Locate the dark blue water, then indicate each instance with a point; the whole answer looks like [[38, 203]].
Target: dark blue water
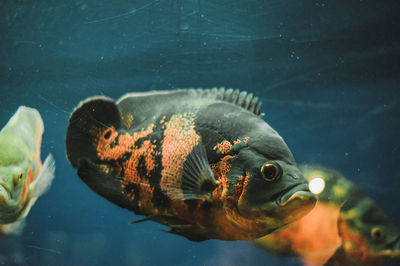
[[328, 73]]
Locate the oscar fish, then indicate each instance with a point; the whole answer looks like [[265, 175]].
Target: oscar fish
[[203, 162], [345, 228], [23, 178]]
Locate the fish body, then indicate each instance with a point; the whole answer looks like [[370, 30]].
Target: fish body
[[23, 178], [345, 228], [202, 162]]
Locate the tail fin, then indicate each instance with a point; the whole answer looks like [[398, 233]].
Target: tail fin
[[88, 123], [90, 117]]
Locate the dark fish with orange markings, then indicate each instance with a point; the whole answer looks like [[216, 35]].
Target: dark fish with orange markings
[[345, 227], [202, 162], [23, 178]]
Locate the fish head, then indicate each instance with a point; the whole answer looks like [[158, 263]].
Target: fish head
[[13, 187], [276, 193], [368, 236]]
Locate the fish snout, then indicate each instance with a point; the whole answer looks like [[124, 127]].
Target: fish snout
[[298, 191], [295, 202], [296, 176]]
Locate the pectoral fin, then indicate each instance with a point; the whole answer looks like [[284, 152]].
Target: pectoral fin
[[45, 177], [198, 180]]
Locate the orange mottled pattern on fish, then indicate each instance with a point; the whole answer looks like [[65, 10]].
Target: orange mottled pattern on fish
[[223, 147], [221, 169], [126, 142], [134, 156], [227, 147], [178, 141]]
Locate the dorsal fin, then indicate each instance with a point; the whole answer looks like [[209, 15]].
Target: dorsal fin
[[234, 96], [241, 98]]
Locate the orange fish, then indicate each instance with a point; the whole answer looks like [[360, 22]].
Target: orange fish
[[202, 162], [345, 227]]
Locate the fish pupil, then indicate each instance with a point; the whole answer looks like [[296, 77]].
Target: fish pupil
[[270, 171], [377, 234]]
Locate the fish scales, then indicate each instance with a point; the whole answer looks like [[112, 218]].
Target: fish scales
[[186, 159]]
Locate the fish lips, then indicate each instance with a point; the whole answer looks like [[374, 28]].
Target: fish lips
[[282, 208], [293, 203], [294, 193]]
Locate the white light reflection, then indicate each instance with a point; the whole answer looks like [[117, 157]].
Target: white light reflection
[[316, 185]]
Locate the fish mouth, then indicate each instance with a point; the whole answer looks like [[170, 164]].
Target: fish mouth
[[5, 193], [297, 191]]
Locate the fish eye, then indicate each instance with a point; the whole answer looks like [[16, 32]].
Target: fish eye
[[17, 178], [377, 234], [271, 171]]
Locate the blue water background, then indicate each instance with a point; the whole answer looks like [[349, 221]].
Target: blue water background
[[328, 73]]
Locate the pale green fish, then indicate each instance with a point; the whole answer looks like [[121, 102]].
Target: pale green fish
[[23, 178]]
